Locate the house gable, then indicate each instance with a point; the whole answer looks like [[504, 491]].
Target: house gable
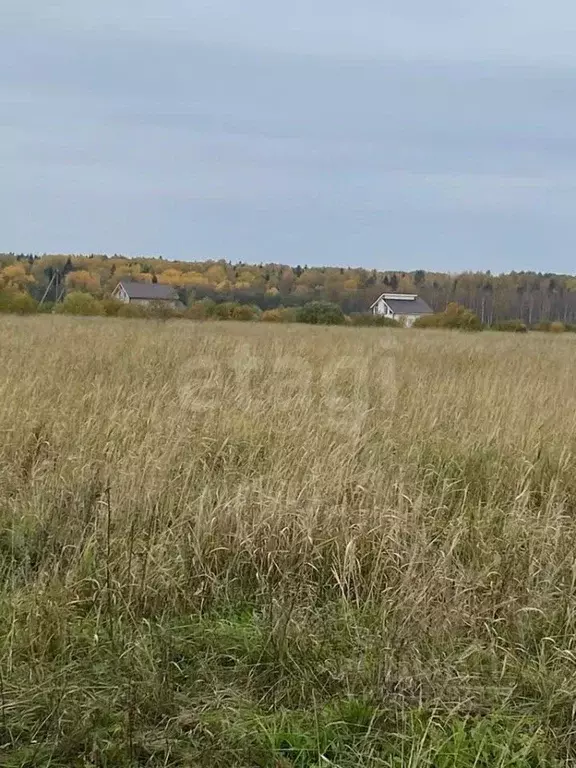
[[120, 293], [382, 308]]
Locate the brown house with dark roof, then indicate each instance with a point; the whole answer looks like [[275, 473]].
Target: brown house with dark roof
[[131, 292]]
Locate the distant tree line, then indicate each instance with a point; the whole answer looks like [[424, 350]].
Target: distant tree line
[[527, 297]]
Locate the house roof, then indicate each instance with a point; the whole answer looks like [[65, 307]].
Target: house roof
[[150, 291], [405, 304]]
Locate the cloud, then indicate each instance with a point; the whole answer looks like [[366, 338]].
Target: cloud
[[436, 135], [446, 30]]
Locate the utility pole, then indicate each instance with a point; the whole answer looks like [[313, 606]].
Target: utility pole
[[43, 299], [59, 288]]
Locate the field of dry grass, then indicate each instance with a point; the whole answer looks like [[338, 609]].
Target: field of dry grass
[[242, 545]]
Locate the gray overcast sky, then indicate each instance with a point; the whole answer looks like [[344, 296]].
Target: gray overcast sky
[[397, 134]]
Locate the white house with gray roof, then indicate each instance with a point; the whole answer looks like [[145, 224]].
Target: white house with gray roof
[[403, 307]]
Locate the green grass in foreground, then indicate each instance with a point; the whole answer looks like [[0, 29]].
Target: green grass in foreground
[[248, 690]]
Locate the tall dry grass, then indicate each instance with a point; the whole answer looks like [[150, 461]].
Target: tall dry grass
[[205, 527]]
